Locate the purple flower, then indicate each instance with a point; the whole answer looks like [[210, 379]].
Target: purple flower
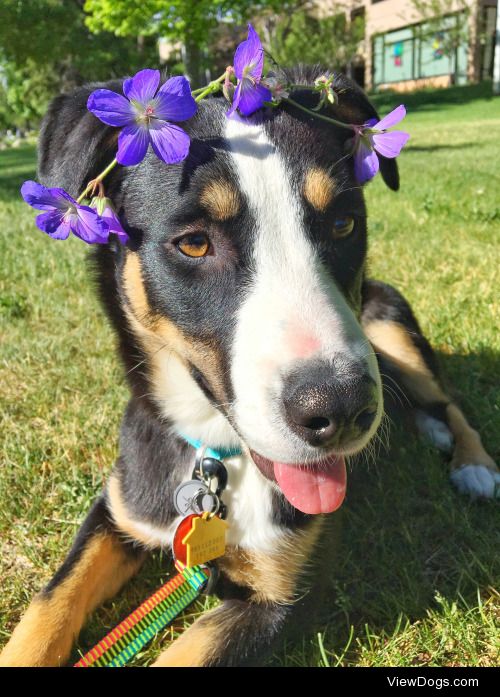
[[250, 94], [106, 211], [373, 138], [144, 115], [64, 215]]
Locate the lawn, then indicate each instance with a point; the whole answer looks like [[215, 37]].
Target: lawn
[[416, 574]]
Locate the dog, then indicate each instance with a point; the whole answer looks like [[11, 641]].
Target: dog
[[245, 319]]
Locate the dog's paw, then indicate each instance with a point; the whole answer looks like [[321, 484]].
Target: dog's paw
[[478, 481], [434, 431]]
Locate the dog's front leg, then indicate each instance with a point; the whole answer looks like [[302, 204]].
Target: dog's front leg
[[264, 594], [236, 633], [97, 566]]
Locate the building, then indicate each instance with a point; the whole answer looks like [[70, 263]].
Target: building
[[404, 50]]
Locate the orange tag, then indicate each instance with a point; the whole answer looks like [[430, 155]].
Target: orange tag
[[206, 540], [178, 547]]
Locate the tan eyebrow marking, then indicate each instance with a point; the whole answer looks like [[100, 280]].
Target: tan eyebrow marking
[[319, 188], [222, 199]]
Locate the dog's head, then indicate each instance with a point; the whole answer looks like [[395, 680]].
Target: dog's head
[[238, 298]]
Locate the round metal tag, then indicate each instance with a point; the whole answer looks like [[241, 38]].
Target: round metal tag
[[186, 495], [194, 496]]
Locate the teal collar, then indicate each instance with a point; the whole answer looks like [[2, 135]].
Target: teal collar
[[218, 453]]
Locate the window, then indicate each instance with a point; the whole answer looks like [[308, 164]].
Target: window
[[419, 52]]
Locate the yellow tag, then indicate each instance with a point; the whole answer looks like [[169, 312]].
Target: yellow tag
[[206, 540]]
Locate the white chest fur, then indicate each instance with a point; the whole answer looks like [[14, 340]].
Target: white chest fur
[[249, 502]]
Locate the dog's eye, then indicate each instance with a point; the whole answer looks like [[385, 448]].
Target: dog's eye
[[343, 226], [194, 245]]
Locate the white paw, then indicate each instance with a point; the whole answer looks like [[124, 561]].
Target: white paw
[[435, 431], [477, 481]]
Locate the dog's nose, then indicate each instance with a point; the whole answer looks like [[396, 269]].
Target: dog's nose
[[326, 407]]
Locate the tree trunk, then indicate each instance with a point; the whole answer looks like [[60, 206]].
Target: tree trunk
[[193, 63]]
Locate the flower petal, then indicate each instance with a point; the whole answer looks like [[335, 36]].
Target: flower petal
[[44, 199], [252, 97], [111, 108], [395, 116], [110, 217], [366, 162], [142, 87], [249, 55], [89, 227], [54, 224], [390, 144], [133, 144], [170, 143], [174, 101], [236, 100]]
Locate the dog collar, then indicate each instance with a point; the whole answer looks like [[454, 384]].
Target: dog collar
[[218, 453]]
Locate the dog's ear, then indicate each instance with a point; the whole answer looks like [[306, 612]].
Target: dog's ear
[[355, 107], [74, 146]]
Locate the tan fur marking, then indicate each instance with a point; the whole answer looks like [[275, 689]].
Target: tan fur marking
[[196, 646], [46, 633], [160, 337], [468, 447], [155, 332], [319, 188], [394, 340], [221, 199], [134, 289]]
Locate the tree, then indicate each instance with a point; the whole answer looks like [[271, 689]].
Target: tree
[[302, 37], [46, 48], [24, 92], [53, 32], [191, 22]]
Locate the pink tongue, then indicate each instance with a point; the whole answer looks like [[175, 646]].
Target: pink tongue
[[313, 489]]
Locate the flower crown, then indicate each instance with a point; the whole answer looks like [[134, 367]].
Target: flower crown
[[147, 116]]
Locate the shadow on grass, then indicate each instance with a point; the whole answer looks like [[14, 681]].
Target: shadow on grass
[[430, 99], [16, 166], [434, 148]]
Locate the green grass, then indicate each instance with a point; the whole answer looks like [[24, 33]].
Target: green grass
[[415, 578]]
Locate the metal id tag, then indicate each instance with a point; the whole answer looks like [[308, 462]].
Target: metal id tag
[[194, 496]]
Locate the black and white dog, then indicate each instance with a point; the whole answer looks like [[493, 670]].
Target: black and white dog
[[245, 319]]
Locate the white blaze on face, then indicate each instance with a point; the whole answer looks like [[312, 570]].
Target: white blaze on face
[[293, 310]]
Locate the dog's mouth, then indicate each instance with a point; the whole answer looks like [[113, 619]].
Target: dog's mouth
[[310, 487]]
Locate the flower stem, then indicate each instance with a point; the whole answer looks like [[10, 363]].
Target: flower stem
[[95, 182], [315, 115], [213, 86], [202, 89]]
